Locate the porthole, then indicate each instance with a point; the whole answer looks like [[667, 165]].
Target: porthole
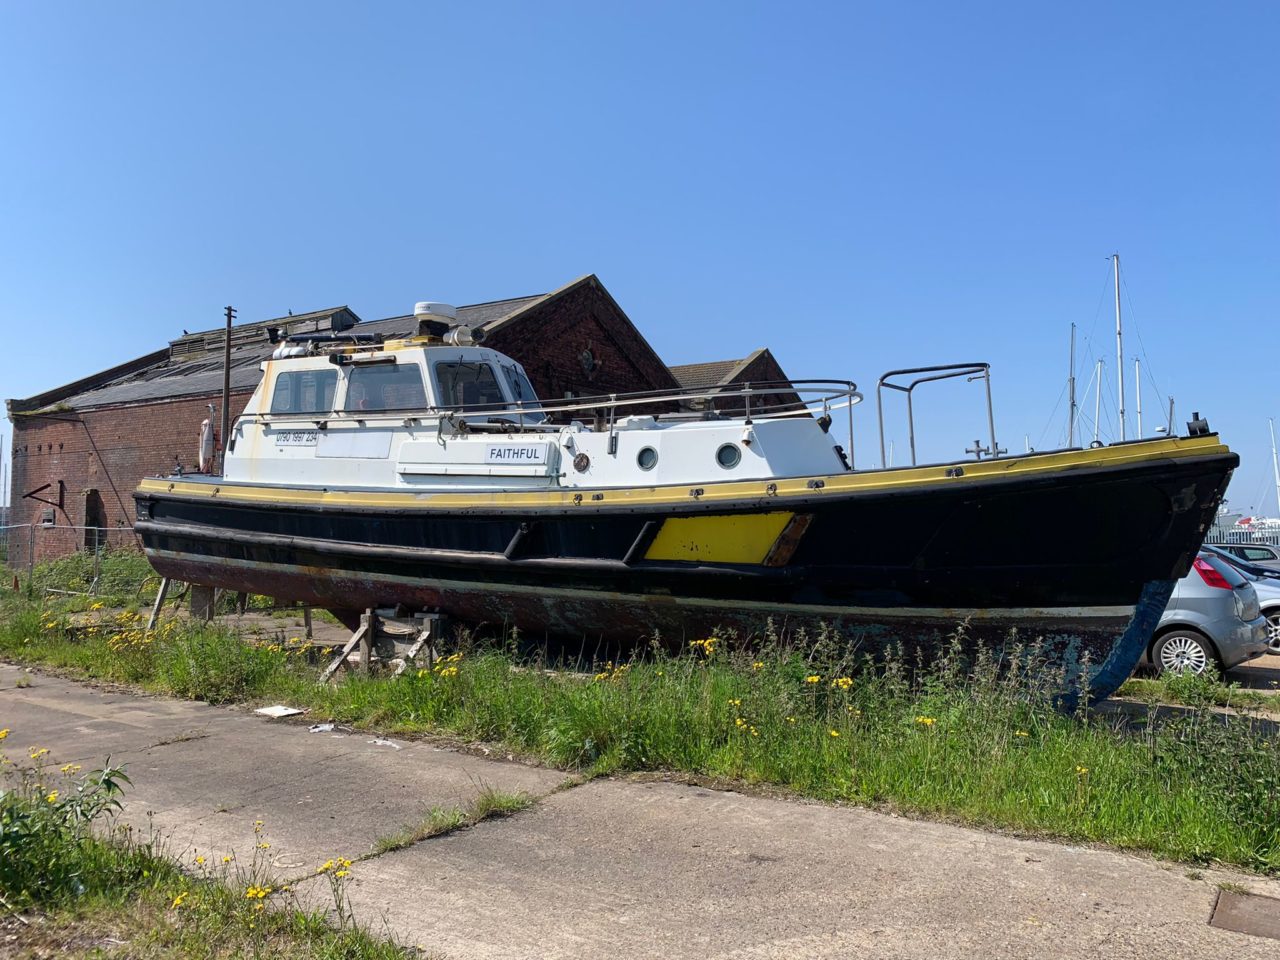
[[647, 458], [729, 456]]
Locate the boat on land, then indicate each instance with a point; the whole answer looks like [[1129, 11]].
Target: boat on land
[[426, 473]]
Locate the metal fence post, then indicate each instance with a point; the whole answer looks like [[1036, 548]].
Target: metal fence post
[[31, 560]]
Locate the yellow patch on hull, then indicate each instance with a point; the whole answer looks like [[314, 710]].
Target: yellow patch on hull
[[738, 538]]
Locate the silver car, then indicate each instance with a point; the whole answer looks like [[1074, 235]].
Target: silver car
[[1213, 621], [1263, 554], [1266, 582]]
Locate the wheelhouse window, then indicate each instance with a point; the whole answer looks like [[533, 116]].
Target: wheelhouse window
[[522, 390], [468, 385], [304, 391], [390, 386]]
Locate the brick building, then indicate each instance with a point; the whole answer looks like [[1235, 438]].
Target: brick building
[[79, 450]]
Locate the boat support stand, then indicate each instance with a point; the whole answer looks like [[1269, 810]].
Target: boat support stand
[[387, 637]]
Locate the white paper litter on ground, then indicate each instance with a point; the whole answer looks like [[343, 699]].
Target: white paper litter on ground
[[321, 728], [279, 710], [379, 742]]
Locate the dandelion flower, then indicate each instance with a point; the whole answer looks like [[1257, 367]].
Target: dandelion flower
[[735, 703], [52, 797], [36, 754], [200, 861], [758, 665], [1021, 733], [926, 721], [341, 873], [791, 719], [1081, 771], [179, 900], [4, 733], [228, 858], [833, 733], [813, 678], [264, 845], [70, 768]]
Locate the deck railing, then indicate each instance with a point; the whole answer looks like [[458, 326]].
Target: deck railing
[[769, 400]]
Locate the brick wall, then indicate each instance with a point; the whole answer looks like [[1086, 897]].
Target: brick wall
[[107, 450], [582, 343]]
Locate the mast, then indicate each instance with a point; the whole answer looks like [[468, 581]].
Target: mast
[[1071, 391], [1119, 346], [1137, 389], [1275, 464], [1097, 403]]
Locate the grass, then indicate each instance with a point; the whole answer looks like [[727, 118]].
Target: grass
[[74, 884], [964, 739], [1197, 691], [489, 804]]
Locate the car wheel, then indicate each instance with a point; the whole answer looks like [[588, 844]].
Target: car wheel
[[1273, 631], [1184, 651]]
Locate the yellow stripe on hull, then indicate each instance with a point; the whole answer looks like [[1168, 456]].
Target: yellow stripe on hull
[[740, 538], [905, 479]]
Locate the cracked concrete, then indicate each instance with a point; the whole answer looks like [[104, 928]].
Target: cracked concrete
[[616, 868]]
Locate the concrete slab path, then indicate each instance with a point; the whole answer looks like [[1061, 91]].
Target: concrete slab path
[[619, 868]]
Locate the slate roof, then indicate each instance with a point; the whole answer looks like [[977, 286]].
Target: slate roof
[[713, 374], [192, 365]]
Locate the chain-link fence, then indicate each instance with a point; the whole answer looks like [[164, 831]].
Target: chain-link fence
[[97, 561]]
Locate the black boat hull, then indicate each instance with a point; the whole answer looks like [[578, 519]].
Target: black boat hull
[[1077, 553]]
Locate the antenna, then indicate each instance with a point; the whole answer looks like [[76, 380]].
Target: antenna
[[1071, 390], [1137, 386], [1097, 404], [1119, 346], [1275, 464]]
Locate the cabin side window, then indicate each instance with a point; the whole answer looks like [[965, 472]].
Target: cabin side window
[[304, 391], [522, 390], [467, 385], [392, 386]]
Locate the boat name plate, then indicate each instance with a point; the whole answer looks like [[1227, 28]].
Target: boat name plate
[[515, 453]]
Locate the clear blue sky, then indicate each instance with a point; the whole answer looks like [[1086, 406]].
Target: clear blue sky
[[857, 186]]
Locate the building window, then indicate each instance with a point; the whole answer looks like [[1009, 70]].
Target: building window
[[467, 385], [304, 391]]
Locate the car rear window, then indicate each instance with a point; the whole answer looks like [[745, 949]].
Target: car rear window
[[1229, 573]]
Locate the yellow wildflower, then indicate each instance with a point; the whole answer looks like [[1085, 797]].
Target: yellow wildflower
[[844, 683], [179, 900], [36, 753], [791, 719], [325, 867], [52, 797], [758, 665], [341, 873], [4, 733], [926, 721], [70, 768], [200, 861], [834, 733], [264, 845], [1081, 771], [1021, 733], [228, 858], [735, 703], [813, 678]]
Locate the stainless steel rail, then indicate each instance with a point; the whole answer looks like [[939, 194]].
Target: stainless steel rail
[[970, 371]]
